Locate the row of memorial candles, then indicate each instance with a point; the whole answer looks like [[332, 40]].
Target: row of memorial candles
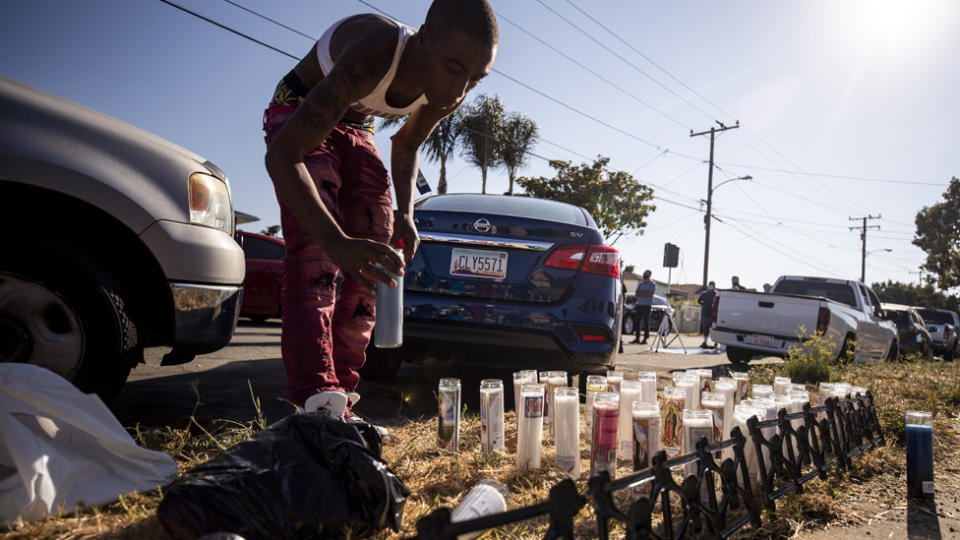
[[625, 419]]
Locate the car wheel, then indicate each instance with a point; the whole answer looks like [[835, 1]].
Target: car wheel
[[848, 351], [928, 354], [381, 364], [948, 356], [739, 356], [62, 310], [628, 324], [894, 353]]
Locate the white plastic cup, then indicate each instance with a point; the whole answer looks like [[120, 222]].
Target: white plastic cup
[[486, 498], [388, 330]]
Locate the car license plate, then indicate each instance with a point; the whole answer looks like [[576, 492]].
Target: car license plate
[[765, 341], [478, 263]]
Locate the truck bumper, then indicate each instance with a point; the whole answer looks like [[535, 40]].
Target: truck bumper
[[205, 317], [780, 345]]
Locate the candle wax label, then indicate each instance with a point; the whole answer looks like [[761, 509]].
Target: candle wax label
[[448, 420], [613, 386], [641, 449], [927, 486], [673, 422], [717, 413], [695, 435], [532, 406]]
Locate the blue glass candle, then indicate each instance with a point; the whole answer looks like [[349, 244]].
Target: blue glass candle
[[919, 455]]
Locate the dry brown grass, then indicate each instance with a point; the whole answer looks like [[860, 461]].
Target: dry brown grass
[[436, 480]]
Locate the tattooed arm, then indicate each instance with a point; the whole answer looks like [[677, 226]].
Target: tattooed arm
[[358, 69]]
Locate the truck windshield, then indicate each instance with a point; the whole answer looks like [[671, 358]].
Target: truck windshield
[[838, 292]]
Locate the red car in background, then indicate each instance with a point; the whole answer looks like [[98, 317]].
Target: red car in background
[[261, 286]]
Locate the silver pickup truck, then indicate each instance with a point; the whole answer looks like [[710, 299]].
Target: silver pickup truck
[[846, 313], [115, 240], [943, 326]]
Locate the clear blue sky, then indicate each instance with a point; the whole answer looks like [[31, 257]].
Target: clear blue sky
[[851, 88]]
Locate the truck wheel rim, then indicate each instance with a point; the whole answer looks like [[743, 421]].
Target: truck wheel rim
[[38, 327]]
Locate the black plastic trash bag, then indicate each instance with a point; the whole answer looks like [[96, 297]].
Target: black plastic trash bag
[[306, 476]]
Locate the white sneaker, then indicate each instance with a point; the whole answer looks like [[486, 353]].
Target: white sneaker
[[331, 403], [353, 397]]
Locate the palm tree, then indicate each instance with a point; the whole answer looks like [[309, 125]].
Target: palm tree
[[480, 131], [520, 134], [440, 144]]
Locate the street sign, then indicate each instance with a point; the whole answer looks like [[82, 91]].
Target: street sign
[[671, 255]]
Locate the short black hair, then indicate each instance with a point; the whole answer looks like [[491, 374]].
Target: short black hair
[[474, 17]]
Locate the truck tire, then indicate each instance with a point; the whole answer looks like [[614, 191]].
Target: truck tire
[[381, 364], [950, 354], [894, 353], [739, 356], [61, 309]]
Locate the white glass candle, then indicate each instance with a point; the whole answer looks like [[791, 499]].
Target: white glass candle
[[629, 394], [557, 379], [595, 383], [566, 402], [691, 385], [646, 438], [696, 425], [547, 401], [743, 382], [759, 391], [855, 390], [769, 408], [741, 413], [781, 386], [648, 386], [728, 389], [491, 416], [520, 378], [674, 402], [706, 378], [614, 378], [715, 403], [530, 427]]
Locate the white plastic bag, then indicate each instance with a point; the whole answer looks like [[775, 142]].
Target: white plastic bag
[[60, 447]]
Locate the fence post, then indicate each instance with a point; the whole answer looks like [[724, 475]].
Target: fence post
[[565, 503]]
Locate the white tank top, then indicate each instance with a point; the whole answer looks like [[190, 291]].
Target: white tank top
[[375, 104]]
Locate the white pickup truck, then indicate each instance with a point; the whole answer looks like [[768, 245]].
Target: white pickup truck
[[845, 312]]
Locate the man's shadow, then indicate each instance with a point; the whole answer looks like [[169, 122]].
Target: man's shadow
[[922, 521]]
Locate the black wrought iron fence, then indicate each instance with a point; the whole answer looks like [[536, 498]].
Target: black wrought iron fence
[[721, 498]]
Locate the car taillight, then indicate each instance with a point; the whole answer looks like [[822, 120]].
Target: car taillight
[[593, 337], [570, 257], [714, 308], [603, 260], [823, 320]]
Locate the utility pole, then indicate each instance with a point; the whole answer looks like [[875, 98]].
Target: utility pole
[[863, 238], [706, 219]]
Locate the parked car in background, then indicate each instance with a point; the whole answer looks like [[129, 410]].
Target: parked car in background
[[944, 326], [261, 286], [507, 281], [845, 312], [117, 240], [659, 308], [911, 329]]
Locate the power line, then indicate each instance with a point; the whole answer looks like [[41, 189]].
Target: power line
[[592, 72], [228, 29], [264, 17], [838, 176]]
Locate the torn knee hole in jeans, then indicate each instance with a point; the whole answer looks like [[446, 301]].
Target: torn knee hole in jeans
[[362, 310]]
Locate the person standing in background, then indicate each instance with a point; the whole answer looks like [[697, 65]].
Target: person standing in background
[[706, 311], [735, 284], [645, 290]]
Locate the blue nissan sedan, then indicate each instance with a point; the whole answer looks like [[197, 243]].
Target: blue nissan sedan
[[507, 282]]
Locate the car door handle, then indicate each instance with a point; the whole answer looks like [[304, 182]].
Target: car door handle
[[765, 304]]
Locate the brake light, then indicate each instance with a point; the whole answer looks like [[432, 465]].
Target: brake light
[[603, 260], [714, 308], [569, 257], [823, 320], [593, 337]]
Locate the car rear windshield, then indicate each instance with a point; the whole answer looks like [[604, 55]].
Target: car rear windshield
[[901, 318], [838, 292], [933, 316], [526, 207]]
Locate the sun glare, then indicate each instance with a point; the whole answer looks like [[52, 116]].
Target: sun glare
[[890, 26]]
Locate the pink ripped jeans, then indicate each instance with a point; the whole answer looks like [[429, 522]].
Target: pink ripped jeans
[[326, 328]]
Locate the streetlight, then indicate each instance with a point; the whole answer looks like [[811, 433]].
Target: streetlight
[[863, 267], [708, 217]]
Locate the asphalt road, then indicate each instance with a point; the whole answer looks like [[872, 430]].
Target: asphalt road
[[219, 384]]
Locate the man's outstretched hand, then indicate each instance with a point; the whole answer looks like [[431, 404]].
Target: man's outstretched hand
[[362, 259]]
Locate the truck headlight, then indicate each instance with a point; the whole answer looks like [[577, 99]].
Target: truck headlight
[[210, 202]]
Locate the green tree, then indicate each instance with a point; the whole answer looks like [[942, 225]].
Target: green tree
[[909, 294], [520, 134], [616, 200], [440, 145], [480, 131], [272, 230], [938, 234]]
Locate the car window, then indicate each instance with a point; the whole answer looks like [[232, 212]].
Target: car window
[[527, 207], [873, 299], [838, 292], [933, 316], [901, 318], [257, 248]]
